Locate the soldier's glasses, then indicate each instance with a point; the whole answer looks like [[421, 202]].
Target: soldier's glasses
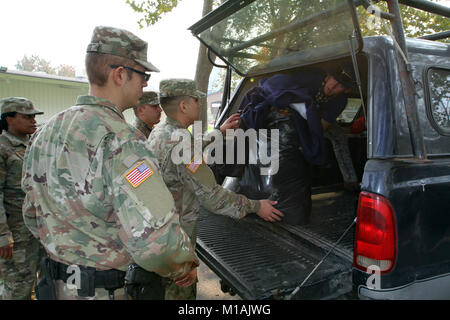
[[145, 75]]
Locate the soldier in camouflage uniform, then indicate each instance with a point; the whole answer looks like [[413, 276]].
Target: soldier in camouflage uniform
[[193, 184], [94, 193], [19, 250], [147, 112]]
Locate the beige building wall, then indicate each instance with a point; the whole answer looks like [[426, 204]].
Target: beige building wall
[[51, 94]]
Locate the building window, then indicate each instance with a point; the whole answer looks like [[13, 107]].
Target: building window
[[439, 98]]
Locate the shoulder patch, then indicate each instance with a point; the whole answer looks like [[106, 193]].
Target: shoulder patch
[[194, 164], [128, 161], [138, 174]]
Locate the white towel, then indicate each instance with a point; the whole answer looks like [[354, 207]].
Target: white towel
[[300, 108]]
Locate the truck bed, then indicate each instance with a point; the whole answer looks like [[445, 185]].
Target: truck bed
[[332, 213], [262, 260]]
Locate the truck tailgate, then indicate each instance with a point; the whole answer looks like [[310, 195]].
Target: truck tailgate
[[261, 260]]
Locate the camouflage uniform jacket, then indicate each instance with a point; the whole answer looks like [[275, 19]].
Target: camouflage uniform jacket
[[12, 150], [142, 127], [194, 189], [95, 197]]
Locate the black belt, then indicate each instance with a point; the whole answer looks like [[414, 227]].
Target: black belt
[[91, 278]]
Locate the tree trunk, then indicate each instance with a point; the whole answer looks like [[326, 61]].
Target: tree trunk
[[203, 70]]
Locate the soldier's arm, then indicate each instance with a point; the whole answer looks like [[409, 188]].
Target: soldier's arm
[[28, 208], [212, 196], [217, 199], [5, 234], [149, 224], [29, 216]]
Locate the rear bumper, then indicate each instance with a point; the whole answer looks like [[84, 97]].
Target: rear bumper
[[427, 289]]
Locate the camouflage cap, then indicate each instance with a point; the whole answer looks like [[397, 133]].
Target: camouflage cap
[[179, 87], [18, 104], [120, 43], [149, 97]]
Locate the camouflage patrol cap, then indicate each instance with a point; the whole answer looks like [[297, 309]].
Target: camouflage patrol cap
[[149, 97], [179, 87], [18, 104], [120, 43]]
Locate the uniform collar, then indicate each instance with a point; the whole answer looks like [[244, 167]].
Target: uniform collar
[[174, 123], [93, 100], [15, 141], [139, 122]]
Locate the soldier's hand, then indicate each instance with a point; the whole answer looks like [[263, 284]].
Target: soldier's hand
[[268, 212], [187, 280], [231, 123], [6, 252]]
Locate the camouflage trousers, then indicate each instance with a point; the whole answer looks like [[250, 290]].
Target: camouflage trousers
[[340, 146], [174, 292], [69, 292], [19, 273]]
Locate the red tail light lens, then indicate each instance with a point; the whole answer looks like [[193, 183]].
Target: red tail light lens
[[375, 237]]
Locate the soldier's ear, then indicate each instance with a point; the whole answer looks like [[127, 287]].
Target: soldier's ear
[[139, 109], [118, 76], [183, 106]]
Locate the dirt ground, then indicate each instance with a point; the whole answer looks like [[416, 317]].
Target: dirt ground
[[208, 287]]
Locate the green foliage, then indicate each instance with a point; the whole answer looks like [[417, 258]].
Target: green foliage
[[65, 70], [38, 64], [284, 26], [416, 22], [35, 64], [218, 82], [152, 10]]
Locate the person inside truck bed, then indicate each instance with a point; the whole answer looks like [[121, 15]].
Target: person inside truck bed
[[302, 105]]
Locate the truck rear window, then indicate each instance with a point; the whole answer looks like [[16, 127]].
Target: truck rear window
[[439, 98]]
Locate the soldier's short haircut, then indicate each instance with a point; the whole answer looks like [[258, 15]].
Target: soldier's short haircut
[[170, 104], [98, 66]]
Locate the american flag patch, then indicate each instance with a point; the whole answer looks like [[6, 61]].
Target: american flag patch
[[139, 174], [194, 164]]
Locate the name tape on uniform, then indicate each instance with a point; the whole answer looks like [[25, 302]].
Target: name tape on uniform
[[194, 164], [138, 174]]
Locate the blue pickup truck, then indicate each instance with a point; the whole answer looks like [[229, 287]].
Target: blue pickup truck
[[391, 238]]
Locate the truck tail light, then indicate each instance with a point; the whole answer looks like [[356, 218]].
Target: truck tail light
[[375, 237]]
